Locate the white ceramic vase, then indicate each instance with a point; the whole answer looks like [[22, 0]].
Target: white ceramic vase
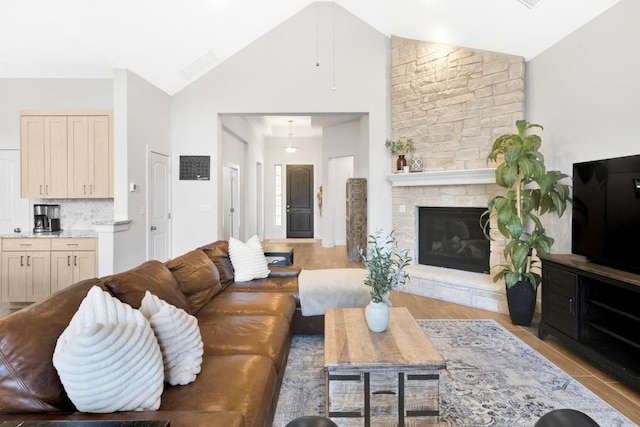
[[377, 316]]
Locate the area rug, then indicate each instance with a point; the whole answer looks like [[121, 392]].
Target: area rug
[[492, 379]]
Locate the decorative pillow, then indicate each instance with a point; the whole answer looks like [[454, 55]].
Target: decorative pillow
[[108, 358], [197, 277], [130, 286], [179, 338], [248, 259]]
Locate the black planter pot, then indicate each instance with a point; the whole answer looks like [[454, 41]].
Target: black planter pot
[[521, 299]]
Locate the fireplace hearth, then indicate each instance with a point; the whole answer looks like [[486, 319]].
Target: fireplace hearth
[[452, 237]]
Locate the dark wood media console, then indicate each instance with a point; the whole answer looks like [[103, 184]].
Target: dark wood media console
[[595, 311]]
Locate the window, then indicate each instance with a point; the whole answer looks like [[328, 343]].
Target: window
[[277, 196]]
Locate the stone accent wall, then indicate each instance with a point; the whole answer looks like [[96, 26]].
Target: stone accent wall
[[453, 102]]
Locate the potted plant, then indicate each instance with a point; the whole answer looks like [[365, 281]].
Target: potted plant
[[385, 264], [532, 191], [401, 147]]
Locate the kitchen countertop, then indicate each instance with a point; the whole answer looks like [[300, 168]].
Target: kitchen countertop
[[54, 235]]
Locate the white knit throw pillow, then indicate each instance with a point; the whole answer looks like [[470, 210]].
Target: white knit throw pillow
[[179, 338], [108, 358], [248, 259]]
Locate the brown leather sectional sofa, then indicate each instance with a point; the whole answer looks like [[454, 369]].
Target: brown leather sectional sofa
[[246, 329]]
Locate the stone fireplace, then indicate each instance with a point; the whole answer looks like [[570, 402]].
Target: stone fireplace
[[453, 102]]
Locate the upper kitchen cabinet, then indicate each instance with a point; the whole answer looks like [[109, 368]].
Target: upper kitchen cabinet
[[90, 157], [43, 153], [67, 154]]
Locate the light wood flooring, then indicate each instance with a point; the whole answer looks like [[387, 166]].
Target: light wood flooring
[[624, 399]]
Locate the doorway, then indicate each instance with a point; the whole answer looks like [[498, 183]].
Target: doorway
[[230, 200], [14, 211], [159, 240], [334, 228], [300, 197]]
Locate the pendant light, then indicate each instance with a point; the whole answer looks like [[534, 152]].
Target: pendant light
[[290, 148]]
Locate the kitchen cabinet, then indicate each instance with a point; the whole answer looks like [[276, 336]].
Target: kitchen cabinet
[[66, 154], [89, 157], [43, 153], [72, 260], [26, 270]]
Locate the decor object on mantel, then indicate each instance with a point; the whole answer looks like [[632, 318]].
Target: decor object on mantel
[[385, 265], [416, 164], [531, 192], [400, 147]]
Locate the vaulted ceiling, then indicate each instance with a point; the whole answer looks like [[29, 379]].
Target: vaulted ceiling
[[171, 42]]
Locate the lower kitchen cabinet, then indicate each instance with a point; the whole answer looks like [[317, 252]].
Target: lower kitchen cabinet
[[72, 260], [26, 270], [34, 268]]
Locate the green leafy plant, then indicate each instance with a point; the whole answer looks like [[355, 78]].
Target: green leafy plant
[[532, 191], [385, 264], [400, 146]]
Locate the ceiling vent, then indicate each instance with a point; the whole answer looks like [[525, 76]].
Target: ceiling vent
[[201, 65], [530, 4]]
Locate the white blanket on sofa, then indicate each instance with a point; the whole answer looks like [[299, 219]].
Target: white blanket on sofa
[[332, 288]]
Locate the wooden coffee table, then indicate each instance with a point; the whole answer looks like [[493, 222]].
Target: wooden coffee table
[[385, 376]]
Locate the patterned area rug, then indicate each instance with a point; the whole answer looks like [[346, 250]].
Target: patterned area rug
[[492, 379]]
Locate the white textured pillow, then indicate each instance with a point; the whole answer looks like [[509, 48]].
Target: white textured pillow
[[108, 358], [179, 338], [248, 259]]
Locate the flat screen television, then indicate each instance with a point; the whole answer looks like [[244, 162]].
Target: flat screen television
[[606, 211]]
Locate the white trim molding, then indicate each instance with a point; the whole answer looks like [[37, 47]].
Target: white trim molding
[[446, 177]]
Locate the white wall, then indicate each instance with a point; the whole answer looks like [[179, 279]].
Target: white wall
[[309, 152], [585, 91], [142, 123], [277, 74], [47, 94]]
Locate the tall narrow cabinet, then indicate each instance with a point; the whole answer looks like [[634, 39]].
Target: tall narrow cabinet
[[356, 217]]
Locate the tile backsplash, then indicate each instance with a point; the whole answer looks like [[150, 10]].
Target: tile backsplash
[[79, 214]]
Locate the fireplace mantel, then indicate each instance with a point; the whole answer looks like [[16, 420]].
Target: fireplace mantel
[[446, 177]]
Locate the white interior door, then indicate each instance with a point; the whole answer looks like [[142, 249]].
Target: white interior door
[[259, 202], [159, 239], [339, 170], [14, 211], [230, 201]]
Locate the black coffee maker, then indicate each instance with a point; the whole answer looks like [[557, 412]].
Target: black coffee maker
[[40, 218], [46, 218]]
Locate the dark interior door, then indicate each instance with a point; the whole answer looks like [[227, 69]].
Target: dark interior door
[[300, 201]]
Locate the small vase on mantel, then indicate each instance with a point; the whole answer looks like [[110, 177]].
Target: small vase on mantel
[[401, 163], [377, 316]]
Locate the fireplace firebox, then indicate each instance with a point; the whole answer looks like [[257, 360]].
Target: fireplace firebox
[[453, 237]]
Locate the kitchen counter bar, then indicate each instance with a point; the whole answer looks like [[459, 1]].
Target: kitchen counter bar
[[51, 235]]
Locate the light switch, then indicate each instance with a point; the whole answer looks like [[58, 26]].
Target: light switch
[[402, 208]]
